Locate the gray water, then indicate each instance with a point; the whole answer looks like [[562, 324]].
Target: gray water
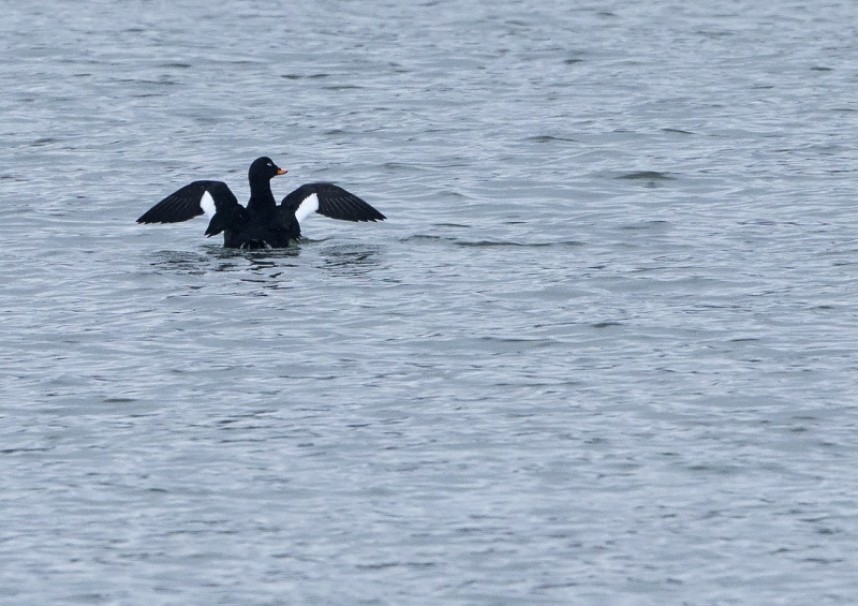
[[602, 352]]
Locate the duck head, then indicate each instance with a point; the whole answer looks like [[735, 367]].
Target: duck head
[[263, 169]]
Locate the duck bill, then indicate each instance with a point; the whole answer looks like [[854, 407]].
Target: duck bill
[[280, 171]]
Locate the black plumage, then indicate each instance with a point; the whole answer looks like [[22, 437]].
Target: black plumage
[[262, 223]]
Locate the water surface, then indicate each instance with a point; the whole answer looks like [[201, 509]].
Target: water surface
[[602, 352]]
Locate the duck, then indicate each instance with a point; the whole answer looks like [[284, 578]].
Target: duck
[[262, 224]]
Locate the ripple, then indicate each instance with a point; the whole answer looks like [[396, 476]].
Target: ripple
[[646, 175], [549, 139]]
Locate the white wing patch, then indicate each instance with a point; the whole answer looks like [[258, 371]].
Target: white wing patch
[[208, 205], [307, 207]]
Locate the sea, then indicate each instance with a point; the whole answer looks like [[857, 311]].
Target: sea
[[602, 352]]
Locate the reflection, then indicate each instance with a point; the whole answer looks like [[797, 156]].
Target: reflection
[[270, 266], [219, 259], [260, 259]]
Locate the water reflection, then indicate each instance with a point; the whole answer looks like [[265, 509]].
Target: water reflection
[[272, 268], [219, 259]]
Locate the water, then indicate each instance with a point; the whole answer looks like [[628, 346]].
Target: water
[[602, 352]]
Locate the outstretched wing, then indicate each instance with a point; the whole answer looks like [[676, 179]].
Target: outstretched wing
[[193, 200], [329, 200]]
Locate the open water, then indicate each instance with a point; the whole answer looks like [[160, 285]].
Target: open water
[[604, 350]]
